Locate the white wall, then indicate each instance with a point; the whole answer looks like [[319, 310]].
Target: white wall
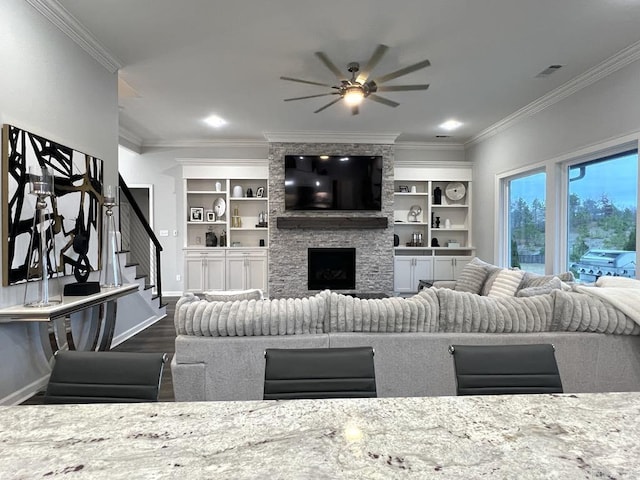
[[51, 87], [605, 110]]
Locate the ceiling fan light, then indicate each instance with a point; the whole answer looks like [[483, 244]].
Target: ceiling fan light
[[353, 96]]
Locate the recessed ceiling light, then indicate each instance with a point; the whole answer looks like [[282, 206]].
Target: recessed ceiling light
[[215, 121], [450, 125]]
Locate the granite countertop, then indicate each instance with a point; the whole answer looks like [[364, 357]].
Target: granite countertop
[[514, 437]]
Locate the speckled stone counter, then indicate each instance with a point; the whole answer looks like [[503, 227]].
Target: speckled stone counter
[[514, 437]]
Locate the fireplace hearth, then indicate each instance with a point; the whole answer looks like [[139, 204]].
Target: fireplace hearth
[[333, 268]]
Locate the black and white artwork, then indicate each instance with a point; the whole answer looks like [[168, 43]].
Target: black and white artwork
[[73, 212]]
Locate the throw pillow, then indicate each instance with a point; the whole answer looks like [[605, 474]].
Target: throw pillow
[[554, 284], [536, 280], [471, 278], [506, 283], [232, 295]]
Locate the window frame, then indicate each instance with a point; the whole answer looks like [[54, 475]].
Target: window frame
[[556, 200], [503, 245], [562, 189]]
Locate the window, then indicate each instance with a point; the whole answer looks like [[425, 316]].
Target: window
[[525, 235], [602, 205]]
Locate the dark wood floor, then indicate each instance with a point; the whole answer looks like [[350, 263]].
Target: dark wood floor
[[159, 337]]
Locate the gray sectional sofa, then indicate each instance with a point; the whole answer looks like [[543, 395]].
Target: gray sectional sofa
[[220, 343]]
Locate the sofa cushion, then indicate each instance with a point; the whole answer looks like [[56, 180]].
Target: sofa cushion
[[231, 295], [506, 283], [554, 284]]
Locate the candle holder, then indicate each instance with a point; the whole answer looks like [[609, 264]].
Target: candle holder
[[111, 274], [42, 255]]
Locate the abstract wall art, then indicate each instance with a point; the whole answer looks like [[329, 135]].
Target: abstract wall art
[[74, 211]]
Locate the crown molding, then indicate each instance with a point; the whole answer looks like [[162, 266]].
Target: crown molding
[[430, 146], [431, 163], [222, 143], [245, 162], [129, 136], [388, 138], [56, 14], [614, 63]]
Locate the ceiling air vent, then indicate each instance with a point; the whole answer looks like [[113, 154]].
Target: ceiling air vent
[[443, 136], [548, 71]]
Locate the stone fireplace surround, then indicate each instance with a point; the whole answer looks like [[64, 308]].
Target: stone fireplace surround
[[288, 246]]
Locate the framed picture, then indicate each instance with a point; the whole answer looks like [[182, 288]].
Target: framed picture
[[403, 188], [196, 214], [210, 216], [260, 192], [73, 211]]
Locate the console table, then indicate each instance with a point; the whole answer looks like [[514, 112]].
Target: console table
[[520, 436], [55, 320]]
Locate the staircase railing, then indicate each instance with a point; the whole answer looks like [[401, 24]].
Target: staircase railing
[[139, 240]]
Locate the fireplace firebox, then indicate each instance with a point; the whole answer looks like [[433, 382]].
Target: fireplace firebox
[[333, 268]]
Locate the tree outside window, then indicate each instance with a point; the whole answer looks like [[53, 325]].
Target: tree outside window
[[526, 222]]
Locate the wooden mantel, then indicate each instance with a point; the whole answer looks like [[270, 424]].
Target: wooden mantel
[[332, 223]]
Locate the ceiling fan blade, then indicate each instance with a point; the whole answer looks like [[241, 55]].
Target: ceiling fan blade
[[311, 96], [328, 105], [373, 61], [306, 81], [330, 65], [384, 101], [402, 88], [355, 110], [402, 71]]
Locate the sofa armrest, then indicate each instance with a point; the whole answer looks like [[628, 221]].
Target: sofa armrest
[[450, 284]]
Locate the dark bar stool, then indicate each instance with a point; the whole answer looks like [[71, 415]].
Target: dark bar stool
[[505, 369], [105, 377], [319, 373]]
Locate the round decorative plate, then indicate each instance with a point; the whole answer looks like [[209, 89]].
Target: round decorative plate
[[455, 191], [219, 206]]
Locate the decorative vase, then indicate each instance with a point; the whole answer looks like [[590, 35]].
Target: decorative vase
[[211, 239], [238, 192], [437, 196]]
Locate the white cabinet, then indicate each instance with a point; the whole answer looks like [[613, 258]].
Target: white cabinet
[[449, 267], [409, 270], [204, 270], [246, 269]]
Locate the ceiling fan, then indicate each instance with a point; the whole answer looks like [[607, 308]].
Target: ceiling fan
[[355, 89]]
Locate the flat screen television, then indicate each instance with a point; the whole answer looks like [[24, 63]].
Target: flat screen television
[[333, 182]]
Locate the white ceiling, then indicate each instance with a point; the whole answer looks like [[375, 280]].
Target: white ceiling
[[188, 59]]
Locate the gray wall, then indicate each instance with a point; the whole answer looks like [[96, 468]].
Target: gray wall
[[288, 248], [602, 111], [49, 86]]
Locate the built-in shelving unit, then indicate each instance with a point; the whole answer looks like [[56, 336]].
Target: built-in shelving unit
[[432, 232], [237, 258]]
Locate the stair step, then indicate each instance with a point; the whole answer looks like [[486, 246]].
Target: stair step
[[138, 277], [131, 264], [148, 286]]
